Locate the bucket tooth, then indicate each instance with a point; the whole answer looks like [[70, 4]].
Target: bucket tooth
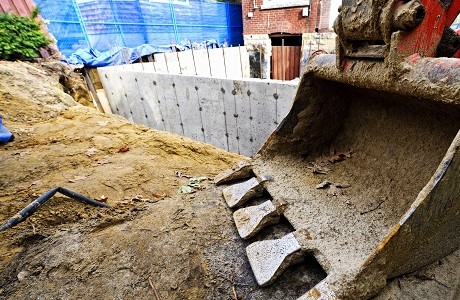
[[250, 220], [268, 259], [238, 194], [241, 170]]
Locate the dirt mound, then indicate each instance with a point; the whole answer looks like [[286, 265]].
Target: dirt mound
[[185, 244], [152, 239]]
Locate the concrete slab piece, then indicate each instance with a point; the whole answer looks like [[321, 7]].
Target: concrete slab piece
[[168, 104], [242, 96], [187, 64], [232, 62], [285, 93], [189, 107], [250, 220], [231, 131], [263, 111], [217, 63], [268, 259], [202, 62], [238, 194], [147, 83], [212, 111], [117, 94], [172, 62], [133, 97]]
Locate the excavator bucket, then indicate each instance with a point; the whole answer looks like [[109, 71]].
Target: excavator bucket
[[366, 165]]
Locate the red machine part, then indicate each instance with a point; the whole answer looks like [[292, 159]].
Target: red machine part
[[425, 39]]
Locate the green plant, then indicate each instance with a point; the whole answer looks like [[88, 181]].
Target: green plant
[[20, 37]]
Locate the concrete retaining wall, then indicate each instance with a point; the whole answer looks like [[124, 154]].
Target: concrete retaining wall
[[235, 115]]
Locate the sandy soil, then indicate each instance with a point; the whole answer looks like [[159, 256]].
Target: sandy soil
[[186, 244], [152, 239]]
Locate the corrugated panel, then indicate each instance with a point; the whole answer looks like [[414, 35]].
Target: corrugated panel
[[285, 62]]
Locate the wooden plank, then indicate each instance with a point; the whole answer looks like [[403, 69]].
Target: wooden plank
[[102, 95]]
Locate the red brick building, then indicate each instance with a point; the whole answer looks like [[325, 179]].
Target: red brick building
[[268, 24]]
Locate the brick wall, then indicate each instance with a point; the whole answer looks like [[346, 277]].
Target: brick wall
[[286, 20]]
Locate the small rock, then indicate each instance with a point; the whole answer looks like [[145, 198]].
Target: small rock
[[23, 275]]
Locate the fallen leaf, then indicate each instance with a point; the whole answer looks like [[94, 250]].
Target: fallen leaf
[[103, 198], [102, 123], [123, 149], [332, 191], [337, 157], [79, 177], [137, 199], [180, 175], [342, 185], [103, 161], [22, 153], [318, 169], [159, 196], [185, 189], [323, 184], [91, 151]]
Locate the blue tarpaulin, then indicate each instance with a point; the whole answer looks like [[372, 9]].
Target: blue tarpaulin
[[5, 134], [89, 57], [107, 24]]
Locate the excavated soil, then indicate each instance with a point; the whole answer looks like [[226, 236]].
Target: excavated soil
[[153, 243], [185, 245]]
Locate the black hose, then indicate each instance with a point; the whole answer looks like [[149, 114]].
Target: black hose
[[33, 206]]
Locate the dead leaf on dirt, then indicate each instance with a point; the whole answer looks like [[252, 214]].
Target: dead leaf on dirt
[[22, 153], [180, 175], [36, 182], [103, 198], [159, 196], [342, 185], [323, 185], [123, 149], [340, 156], [332, 191], [102, 123], [137, 199], [318, 169], [79, 177], [91, 151], [185, 189], [101, 162]]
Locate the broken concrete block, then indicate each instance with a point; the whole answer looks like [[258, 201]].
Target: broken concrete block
[[268, 259], [251, 220]]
